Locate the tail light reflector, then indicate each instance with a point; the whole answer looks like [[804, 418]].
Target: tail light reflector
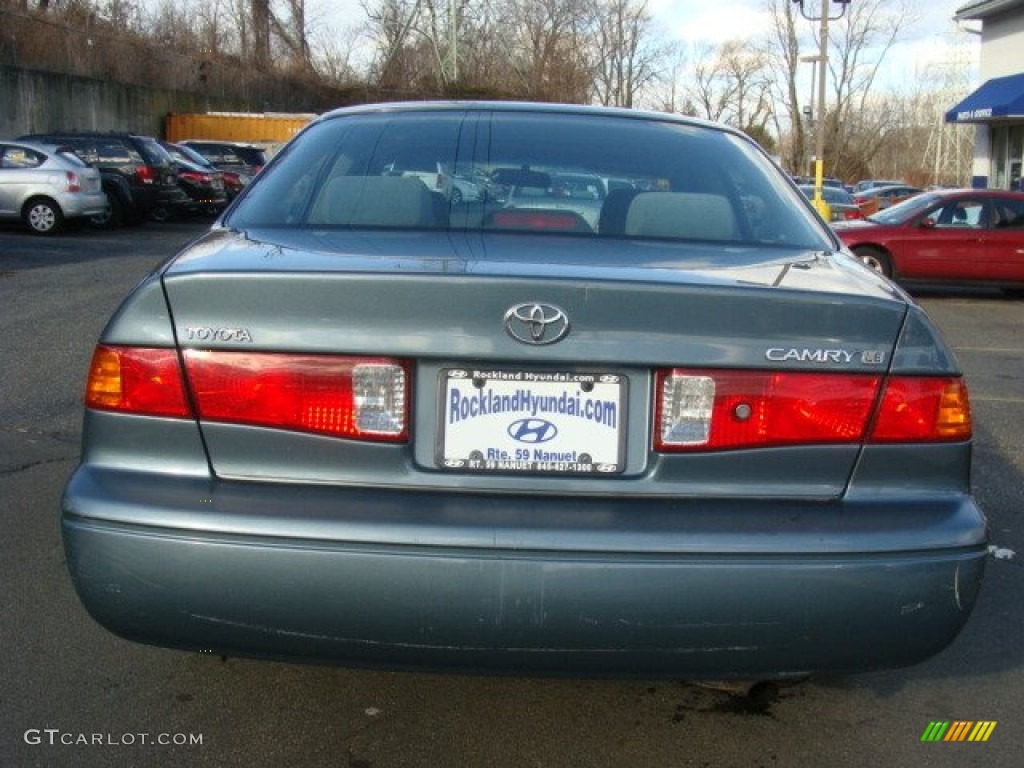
[[143, 381], [354, 397]]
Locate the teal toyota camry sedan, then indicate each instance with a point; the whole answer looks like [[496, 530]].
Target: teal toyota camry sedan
[[684, 434]]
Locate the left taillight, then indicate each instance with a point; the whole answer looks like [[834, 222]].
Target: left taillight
[[137, 380], [364, 398], [74, 185]]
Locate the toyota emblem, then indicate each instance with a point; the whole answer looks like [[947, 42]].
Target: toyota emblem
[[536, 323]]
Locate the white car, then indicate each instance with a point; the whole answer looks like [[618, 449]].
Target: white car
[[45, 185]]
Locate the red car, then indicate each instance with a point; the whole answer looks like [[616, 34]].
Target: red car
[[962, 236]]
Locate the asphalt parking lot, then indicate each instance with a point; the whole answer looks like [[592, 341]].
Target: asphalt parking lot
[[72, 694]]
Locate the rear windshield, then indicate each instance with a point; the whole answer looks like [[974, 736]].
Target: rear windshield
[[152, 151], [540, 173], [226, 154], [67, 154]]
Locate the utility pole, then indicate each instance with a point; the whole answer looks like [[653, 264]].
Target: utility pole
[[819, 136]]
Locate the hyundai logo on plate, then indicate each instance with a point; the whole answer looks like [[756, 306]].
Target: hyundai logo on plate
[[532, 430], [536, 323]]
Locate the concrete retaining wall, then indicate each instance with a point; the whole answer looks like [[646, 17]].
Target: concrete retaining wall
[[33, 101]]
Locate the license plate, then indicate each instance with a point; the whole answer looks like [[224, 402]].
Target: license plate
[[557, 422]]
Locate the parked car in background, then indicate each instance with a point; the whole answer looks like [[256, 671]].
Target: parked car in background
[[840, 202], [827, 181], [562, 190], [958, 236], [46, 186], [880, 198], [137, 174], [700, 441], [865, 184], [434, 175], [200, 180], [466, 190], [241, 160]]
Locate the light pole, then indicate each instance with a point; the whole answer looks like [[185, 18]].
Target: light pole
[[819, 143], [809, 111]]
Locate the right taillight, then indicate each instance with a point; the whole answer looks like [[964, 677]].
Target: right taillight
[[713, 410], [923, 409], [709, 410]]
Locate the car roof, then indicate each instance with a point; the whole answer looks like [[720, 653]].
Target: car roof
[[527, 107], [971, 192], [47, 147], [879, 190], [94, 134], [219, 142]]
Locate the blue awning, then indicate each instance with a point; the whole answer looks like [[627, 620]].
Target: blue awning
[[998, 98]]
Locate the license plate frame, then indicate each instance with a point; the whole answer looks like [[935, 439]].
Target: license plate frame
[[531, 421]]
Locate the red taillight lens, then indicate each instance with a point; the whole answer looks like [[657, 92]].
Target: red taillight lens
[[715, 410], [923, 409], [195, 177], [142, 381], [146, 174], [703, 410], [73, 184], [355, 397]]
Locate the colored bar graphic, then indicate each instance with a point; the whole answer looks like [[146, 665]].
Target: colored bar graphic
[[959, 730], [982, 730]]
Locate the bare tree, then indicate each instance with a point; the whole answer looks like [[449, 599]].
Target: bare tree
[[334, 53], [627, 56], [261, 33], [673, 95], [858, 49], [550, 48], [781, 49], [732, 85]]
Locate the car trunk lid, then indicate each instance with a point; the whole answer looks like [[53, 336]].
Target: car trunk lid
[[439, 304]]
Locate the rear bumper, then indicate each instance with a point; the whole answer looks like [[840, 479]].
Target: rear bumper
[[664, 602], [83, 204]]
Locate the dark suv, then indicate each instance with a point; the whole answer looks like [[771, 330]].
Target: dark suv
[[138, 175]]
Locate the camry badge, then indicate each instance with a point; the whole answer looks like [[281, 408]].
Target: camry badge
[[536, 323]]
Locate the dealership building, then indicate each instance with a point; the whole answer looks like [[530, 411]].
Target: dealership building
[[996, 108]]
